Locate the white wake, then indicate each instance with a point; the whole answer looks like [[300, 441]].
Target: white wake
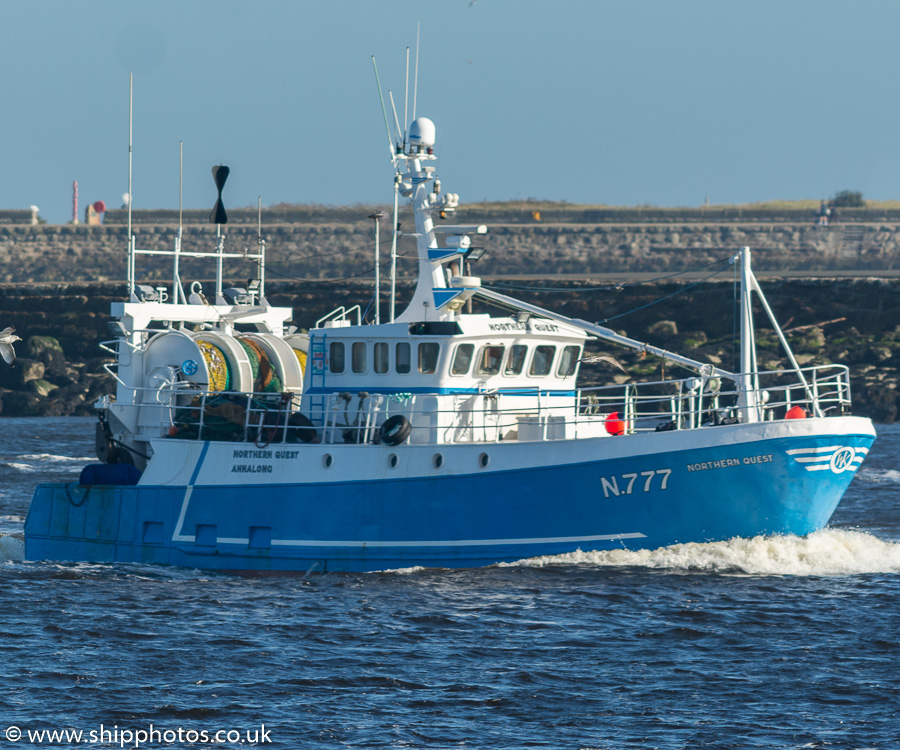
[[830, 552]]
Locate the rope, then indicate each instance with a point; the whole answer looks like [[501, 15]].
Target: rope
[[72, 500], [216, 365], [129, 448]]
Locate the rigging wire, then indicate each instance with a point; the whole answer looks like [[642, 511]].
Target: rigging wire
[[623, 285], [333, 281], [663, 299], [270, 270]]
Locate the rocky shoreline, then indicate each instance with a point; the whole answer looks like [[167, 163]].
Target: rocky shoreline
[[853, 322]]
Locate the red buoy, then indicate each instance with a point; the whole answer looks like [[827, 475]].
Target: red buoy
[[614, 425], [100, 207], [796, 412]]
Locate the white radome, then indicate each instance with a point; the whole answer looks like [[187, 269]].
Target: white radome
[[422, 132]]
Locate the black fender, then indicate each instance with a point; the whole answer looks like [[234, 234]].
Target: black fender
[[395, 430]]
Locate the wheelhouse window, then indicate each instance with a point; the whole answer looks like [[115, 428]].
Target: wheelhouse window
[[382, 354], [358, 356], [515, 360], [490, 360], [542, 360], [568, 361], [428, 356], [336, 357], [402, 357], [462, 359]]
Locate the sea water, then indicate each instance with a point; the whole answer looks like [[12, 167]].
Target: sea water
[[781, 642]]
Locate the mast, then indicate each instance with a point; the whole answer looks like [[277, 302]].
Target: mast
[[748, 401], [177, 290], [261, 251], [131, 269], [394, 249]]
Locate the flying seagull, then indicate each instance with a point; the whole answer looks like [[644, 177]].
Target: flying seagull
[[598, 358], [7, 337]]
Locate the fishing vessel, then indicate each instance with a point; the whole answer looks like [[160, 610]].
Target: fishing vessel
[[434, 436]]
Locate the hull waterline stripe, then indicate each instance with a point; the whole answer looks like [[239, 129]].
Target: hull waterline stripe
[[455, 542]]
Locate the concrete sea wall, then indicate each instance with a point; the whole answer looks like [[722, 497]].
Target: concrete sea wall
[[326, 245]]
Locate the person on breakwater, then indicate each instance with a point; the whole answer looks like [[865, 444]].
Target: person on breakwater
[[824, 213]]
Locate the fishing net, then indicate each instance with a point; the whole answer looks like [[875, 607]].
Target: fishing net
[[265, 379]]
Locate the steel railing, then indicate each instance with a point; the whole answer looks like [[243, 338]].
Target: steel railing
[[262, 418]]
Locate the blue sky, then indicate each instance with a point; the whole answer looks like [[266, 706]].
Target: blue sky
[[624, 103]]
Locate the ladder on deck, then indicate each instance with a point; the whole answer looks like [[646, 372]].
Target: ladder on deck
[[317, 363]]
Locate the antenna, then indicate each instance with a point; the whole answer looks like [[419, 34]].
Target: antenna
[[131, 270], [406, 103], [261, 251], [383, 110], [180, 182], [177, 290], [130, 134], [416, 80], [396, 121]]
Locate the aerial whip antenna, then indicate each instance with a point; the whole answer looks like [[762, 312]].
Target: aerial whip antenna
[[180, 183], [416, 80], [261, 251], [130, 134], [177, 290], [396, 121], [383, 110], [131, 244], [406, 102]]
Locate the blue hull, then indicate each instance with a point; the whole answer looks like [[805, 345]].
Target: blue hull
[[644, 501]]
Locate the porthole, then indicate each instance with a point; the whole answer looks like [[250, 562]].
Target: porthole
[[393, 460], [327, 460], [483, 460], [437, 460]]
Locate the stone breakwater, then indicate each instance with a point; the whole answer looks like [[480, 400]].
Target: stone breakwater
[[851, 322], [324, 249]]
